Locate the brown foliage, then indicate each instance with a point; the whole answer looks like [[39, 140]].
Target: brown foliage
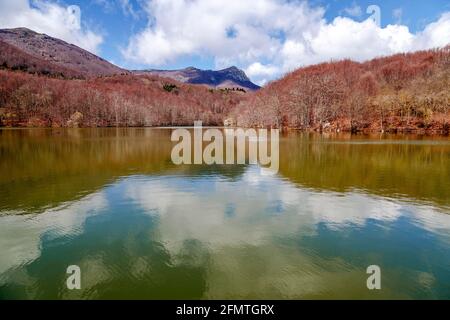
[[16, 59], [401, 92], [126, 100]]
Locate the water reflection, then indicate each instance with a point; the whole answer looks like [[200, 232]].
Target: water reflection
[[44, 168], [141, 228], [174, 237]]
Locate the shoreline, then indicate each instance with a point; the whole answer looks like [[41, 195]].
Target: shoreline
[[406, 132]]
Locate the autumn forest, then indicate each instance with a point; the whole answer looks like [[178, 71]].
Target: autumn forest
[[400, 93]]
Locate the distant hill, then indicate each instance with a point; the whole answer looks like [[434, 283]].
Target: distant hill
[[227, 78], [26, 50]]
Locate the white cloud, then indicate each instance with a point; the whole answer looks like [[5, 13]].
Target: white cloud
[[354, 10], [54, 19], [180, 27], [436, 34], [261, 72], [270, 37], [346, 38], [360, 41]]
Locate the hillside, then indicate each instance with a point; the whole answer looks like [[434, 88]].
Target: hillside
[[227, 78], [27, 50], [400, 93], [28, 100]]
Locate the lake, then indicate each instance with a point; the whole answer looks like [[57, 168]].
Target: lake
[[112, 202]]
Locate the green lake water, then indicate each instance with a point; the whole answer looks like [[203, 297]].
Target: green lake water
[[111, 202]]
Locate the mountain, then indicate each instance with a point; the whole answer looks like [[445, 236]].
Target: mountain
[[26, 50], [227, 78]]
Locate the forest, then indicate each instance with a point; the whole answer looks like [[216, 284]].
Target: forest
[[123, 100], [400, 93]]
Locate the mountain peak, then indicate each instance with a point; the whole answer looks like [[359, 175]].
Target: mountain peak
[[233, 68], [19, 29], [37, 52], [191, 69], [231, 77]]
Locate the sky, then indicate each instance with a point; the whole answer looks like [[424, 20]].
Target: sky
[[265, 38]]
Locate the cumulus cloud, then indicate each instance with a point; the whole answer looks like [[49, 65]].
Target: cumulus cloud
[[261, 72], [436, 34], [360, 41], [269, 37], [346, 38], [54, 19], [180, 27]]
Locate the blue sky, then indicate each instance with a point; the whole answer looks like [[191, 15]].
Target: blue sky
[[118, 25], [266, 38]]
